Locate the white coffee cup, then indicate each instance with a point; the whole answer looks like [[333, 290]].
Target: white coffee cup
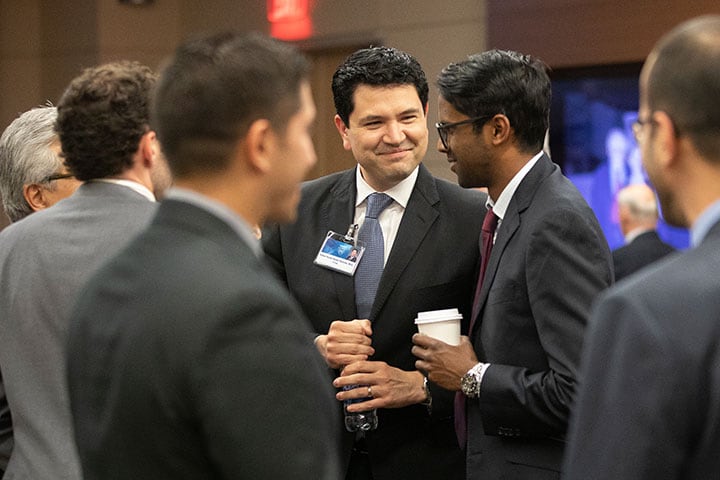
[[441, 324]]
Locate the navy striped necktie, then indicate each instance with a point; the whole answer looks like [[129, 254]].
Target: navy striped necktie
[[367, 276]]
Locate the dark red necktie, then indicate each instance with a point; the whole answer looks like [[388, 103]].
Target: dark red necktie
[[488, 232]]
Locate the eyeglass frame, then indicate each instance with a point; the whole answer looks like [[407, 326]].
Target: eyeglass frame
[[637, 127], [443, 127], [57, 176]]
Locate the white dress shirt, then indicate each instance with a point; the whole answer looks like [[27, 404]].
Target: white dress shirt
[[391, 217]]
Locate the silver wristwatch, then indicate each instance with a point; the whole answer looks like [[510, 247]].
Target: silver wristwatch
[[470, 385]]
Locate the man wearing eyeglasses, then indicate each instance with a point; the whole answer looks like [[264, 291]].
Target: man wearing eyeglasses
[[45, 259], [32, 178], [516, 373], [649, 407], [430, 230], [32, 174]]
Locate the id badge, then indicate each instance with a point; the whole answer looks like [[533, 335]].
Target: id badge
[[341, 253]]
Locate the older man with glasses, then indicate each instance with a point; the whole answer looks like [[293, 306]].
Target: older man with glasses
[[30, 170], [30, 165]]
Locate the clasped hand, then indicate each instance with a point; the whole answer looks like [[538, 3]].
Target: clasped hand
[[348, 345]]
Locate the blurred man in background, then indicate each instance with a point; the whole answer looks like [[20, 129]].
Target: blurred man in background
[[638, 217], [32, 174], [649, 404]]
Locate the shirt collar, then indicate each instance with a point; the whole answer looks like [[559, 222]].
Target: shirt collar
[[501, 205], [141, 189], [636, 232], [400, 192], [235, 221], [709, 217]]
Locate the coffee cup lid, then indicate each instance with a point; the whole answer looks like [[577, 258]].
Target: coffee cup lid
[[438, 315]]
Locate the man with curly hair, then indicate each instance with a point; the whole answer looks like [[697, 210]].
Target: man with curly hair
[[45, 259]]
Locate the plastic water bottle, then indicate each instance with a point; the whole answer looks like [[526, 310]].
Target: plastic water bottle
[[359, 421]]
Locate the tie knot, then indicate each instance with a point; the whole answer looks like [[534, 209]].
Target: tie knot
[[490, 222], [376, 203]]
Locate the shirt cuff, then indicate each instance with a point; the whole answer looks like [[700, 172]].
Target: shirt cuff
[[478, 371]]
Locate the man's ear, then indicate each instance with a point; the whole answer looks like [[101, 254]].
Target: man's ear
[[149, 148], [35, 196], [666, 141], [501, 129], [259, 144], [343, 131]]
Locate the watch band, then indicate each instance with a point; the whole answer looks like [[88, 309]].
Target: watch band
[[471, 381], [428, 396]]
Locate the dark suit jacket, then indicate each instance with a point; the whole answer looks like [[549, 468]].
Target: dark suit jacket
[[431, 266], [6, 433], [189, 360], [643, 250], [649, 407], [549, 261]]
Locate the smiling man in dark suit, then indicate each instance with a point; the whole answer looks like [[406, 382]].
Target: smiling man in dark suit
[[430, 231], [518, 369], [638, 215], [649, 404], [187, 358]]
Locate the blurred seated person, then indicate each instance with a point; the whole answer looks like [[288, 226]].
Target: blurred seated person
[[638, 217]]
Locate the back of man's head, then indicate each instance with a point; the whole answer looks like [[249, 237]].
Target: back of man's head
[[684, 82], [379, 67], [213, 88], [637, 207], [26, 158], [102, 116], [505, 82]]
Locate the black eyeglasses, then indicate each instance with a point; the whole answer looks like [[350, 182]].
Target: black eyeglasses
[[443, 129], [57, 176]]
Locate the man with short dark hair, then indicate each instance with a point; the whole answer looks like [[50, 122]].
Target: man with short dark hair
[[544, 261], [649, 404], [187, 358], [103, 125], [429, 252]]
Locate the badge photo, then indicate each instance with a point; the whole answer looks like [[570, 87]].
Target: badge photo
[[341, 253]]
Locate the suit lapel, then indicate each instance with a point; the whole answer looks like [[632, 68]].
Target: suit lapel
[[419, 216], [338, 213], [520, 201]]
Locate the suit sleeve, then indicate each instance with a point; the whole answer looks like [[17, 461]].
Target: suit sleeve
[[267, 406], [567, 264], [6, 432], [272, 245], [636, 403]]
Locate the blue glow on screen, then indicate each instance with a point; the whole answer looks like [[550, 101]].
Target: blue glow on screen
[[591, 139]]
